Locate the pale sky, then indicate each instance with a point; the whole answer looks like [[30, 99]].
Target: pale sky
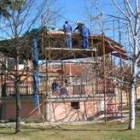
[[73, 10]]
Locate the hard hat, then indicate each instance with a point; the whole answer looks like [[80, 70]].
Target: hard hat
[[77, 22]]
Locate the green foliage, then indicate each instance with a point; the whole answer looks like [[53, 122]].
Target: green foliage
[[4, 8], [35, 31], [6, 46], [33, 121], [124, 108], [7, 5], [17, 4]]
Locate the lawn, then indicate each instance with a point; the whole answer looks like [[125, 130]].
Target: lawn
[[92, 131]]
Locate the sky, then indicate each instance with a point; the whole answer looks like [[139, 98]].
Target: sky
[[75, 10], [71, 10]]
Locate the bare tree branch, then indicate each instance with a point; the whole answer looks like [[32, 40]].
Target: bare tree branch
[[130, 10], [121, 10]]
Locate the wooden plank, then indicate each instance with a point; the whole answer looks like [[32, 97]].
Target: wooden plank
[[73, 49]]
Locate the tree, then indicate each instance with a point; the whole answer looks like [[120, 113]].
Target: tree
[[128, 13], [4, 4], [24, 15]]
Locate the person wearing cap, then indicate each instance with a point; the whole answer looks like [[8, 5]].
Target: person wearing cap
[[67, 28], [85, 37], [79, 27]]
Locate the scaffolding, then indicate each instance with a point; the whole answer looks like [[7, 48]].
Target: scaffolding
[[83, 74], [85, 77]]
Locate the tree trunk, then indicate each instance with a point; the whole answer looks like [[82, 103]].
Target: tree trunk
[[18, 108], [18, 101], [132, 106], [132, 92]]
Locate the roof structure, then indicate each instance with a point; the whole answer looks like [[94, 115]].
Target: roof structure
[[52, 45]]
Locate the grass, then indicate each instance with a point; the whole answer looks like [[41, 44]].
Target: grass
[[127, 107], [100, 131]]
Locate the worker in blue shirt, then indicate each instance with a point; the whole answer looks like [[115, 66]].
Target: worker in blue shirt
[[85, 37], [79, 27], [67, 28], [55, 88]]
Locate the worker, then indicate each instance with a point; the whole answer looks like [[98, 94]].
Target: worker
[[79, 27], [63, 89], [55, 88], [85, 37], [67, 28]]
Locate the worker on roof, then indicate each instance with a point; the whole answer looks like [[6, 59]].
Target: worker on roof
[[79, 27], [67, 28], [85, 37]]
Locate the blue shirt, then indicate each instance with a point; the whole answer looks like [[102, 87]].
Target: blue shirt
[[55, 86], [85, 31], [67, 28]]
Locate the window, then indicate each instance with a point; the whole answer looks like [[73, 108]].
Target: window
[[75, 105]]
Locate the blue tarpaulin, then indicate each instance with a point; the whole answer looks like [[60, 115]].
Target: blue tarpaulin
[[35, 73]]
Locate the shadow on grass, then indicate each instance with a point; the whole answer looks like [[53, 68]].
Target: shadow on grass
[[59, 128], [7, 133], [91, 130], [101, 127]]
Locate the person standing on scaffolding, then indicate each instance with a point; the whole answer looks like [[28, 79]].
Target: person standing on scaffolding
[[55, 88], [67, 28], [85, 37], [79, 27], [84, 32]]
